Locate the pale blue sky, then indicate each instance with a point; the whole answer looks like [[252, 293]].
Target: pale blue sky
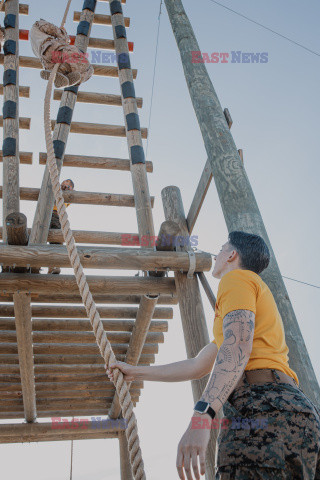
[[275, 112]]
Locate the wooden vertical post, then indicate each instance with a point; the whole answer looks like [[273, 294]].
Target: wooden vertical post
[[191, 309], [125, 465], [22, 312], [11, 196], [237, 199]]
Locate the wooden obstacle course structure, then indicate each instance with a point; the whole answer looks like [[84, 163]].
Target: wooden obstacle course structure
[[50, 364]]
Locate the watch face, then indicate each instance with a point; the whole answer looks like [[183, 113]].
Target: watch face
[[201, 407]]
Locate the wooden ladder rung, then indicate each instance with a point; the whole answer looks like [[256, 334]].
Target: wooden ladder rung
[[23, 91], [25, 158], [103, 43], [84, 198], [122, 1], [100, 19], [100, 129], [24, 123], [85, 161], [99, 98], [23, 9], [100, 70]]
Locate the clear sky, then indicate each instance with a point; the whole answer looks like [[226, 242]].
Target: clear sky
[[274, 107]]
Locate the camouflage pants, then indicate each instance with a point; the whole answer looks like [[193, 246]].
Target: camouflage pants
[[287, 447]]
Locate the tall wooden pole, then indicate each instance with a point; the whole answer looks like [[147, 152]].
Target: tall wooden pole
[[11, 195], [237, 199], [191, 310]]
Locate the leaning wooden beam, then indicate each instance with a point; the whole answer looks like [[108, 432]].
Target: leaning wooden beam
[[203, 186], [98, 129], [44, 284], [125, 464], [100, 70], [57, 431], [207, 289], [137, 343], [102, 257], [22, 309], [76, 325], [10, 119], [23, 91], [25, 158], [190, 303], [98, 298], [237, 199], [97, 98], [199, 196], [66, 311], [100, 19], [84, 198], [85, 161], [42, 217], [139, 178]]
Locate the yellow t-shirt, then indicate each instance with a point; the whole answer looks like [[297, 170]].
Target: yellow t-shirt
[[55, 206], [245, 290]]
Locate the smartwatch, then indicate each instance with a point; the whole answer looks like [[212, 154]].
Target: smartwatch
[[204, 407]]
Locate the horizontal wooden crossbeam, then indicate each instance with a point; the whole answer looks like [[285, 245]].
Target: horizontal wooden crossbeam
[[48, 432], [33, 283], [102, 257], [87, 236], [98, 298], [76, 325], [68, 311], [84, 198]]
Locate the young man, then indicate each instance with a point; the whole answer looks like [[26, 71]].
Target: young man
[[55, 222], [251, 379]]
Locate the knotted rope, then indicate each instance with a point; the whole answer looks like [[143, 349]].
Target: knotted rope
[[90, 306]]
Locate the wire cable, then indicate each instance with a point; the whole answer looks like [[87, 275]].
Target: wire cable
[[283, 276], [154, 74], [266, 28]]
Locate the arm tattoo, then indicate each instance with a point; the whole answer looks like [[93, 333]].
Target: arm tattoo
[[232, 358]]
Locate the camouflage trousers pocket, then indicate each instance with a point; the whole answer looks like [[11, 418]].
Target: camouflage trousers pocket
[[251, 453]]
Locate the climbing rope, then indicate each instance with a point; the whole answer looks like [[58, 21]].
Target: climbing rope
[[90, 306]]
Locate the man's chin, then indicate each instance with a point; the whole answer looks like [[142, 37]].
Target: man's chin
[[216, 274]]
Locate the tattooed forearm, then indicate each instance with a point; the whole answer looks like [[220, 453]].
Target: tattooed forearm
[[232, 358]]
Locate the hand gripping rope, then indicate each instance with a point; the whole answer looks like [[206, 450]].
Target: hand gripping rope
[[91, 308]]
